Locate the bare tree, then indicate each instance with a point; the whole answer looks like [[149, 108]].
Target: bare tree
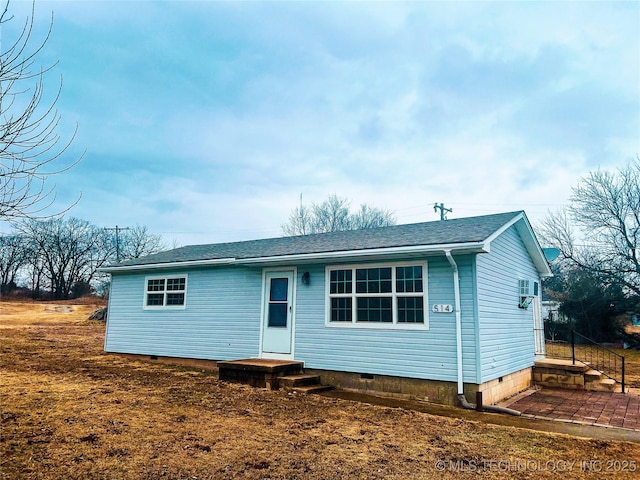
[[138, 242], [13, 255], [333, 215], [599, 232], [299, 222], [68, 251], [35, 268], [371, 217], [64, 255], [30, 147]]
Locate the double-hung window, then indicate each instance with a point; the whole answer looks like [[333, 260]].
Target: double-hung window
[[389, 295], [165, 292]]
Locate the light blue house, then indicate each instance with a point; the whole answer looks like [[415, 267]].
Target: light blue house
[[427, 310]]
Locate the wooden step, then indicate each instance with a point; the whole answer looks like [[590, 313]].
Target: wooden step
[[299, 380], [281, 367], [257, 372], [310, 388]]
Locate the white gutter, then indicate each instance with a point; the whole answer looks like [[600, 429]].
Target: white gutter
[[471, 247], [155, 266], [474, 247], [456, 291]]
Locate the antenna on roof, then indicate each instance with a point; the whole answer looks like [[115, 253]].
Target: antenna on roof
[[443, 211]]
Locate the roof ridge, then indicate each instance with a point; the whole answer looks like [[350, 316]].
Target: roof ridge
[[362, 230]]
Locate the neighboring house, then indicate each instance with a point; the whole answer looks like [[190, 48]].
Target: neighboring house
[[555, 322], [426, 310], [551, 312]]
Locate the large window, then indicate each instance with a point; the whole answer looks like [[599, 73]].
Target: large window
[[377, 295], [165, 292]]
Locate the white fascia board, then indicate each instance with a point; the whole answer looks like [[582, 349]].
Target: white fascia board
[[530, 242], [373, 253], [535, 250], [164, 266], [476, 247], [504, 228]]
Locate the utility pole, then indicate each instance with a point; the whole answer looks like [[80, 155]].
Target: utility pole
[[443, 211], [117, 229]]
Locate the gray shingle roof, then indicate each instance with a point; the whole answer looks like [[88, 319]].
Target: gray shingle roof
[[461, 230]]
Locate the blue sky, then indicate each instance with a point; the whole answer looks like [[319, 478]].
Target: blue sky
[[205, 121]]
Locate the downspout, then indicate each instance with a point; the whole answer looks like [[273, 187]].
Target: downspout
[[461, 397], [456, 292]]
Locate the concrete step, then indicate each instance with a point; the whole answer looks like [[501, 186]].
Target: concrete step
[[604, 385], [299, 380], [592, 376], [309, 388]]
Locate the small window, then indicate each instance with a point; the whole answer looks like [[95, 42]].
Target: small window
[[341, 310], [374, 309], [167, 292], [340, 281], [373, 280], [409, 279], [410, 310]]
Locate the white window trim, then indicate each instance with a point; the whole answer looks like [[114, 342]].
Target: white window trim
[[165, 307], [393, 294]]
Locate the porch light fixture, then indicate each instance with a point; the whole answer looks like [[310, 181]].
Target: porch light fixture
[[306, 278]]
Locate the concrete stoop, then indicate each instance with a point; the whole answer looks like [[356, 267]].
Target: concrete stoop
[[550, 372], [271, 374]]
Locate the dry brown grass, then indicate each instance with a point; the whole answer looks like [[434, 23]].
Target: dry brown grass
[[71, 411], [632, 366]]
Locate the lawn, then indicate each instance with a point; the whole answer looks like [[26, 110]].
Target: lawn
[[68, 410]]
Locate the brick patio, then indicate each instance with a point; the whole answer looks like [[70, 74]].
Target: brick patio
[[591, 408]]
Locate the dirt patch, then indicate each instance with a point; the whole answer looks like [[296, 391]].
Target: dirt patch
[[59, 308], [71, 411]]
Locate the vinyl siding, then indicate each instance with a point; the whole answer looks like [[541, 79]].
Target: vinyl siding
[[428, 354], [221, 319], [505, 331]]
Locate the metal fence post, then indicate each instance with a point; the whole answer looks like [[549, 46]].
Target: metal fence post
[[573, 346]]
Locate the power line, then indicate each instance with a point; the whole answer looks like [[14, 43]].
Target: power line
[[443, 211]]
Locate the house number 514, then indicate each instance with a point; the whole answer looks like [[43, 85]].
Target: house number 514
[[442, 308]]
